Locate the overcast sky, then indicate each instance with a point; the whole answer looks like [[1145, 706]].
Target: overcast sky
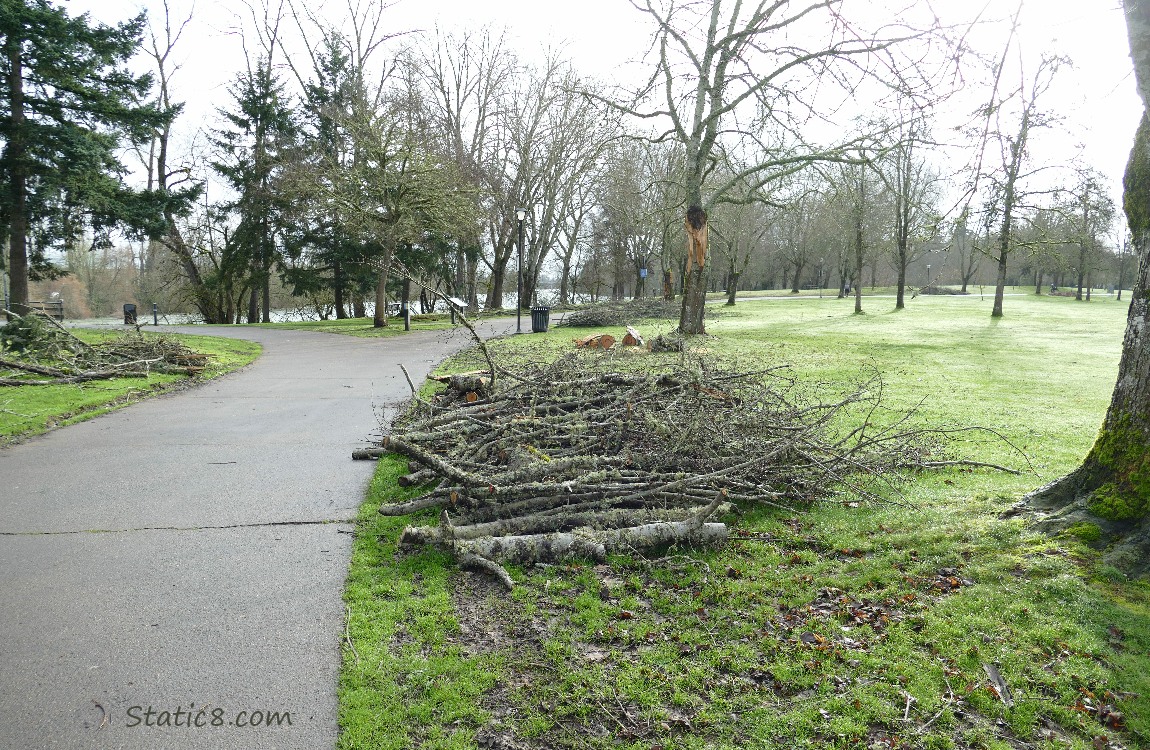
[[605, 38]]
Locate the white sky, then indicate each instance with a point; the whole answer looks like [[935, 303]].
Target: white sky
[[605, 37]]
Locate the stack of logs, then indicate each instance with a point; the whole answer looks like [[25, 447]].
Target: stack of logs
[[583, 458]]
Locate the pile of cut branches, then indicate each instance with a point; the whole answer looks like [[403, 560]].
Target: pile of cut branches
[[578, 458], [603, 314], [37, 351]]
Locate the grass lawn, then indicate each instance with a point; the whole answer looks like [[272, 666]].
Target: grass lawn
[[364, 327], [31, 410], [841, 625]]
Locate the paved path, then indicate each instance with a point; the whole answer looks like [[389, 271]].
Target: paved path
[[192, 549]]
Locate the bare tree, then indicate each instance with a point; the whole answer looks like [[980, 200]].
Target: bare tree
[[741, 230], [912, 186], [467, 79], [175, 180], [1092, 214], [964, 246], [736, 90], [1010, 121]]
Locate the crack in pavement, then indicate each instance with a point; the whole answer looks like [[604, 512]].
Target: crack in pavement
[[263, 524]]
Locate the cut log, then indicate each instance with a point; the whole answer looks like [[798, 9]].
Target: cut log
[[429, 500], [368, 454], [633, 338], [588, 544], [534, 548], [623, 541], [557, 520], [595, 341]]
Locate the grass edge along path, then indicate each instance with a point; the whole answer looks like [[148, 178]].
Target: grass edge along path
[[836, 626], [26, 411], [407, 679]]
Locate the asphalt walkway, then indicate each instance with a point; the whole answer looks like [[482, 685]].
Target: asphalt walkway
[[187, 554]]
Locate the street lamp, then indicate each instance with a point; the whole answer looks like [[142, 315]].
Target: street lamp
[[520, 214]]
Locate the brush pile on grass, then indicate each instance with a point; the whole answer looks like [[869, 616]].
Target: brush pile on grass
[[34, 350], [602, 314], [594, 454]]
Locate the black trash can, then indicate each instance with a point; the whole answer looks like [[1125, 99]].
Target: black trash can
[[129, 314], [540, 318]]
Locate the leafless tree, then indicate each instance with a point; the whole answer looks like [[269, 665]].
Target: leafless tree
[[467, 78], [913, 189], [1010, 117], [734, 94]]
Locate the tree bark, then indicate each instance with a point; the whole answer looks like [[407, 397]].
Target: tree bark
[[695, 291], [1111, 488], [732, 287], [17, 180], [380, 318]]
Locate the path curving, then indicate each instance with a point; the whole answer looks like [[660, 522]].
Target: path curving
[[189, 552]]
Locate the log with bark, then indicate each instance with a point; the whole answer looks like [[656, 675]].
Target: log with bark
[[595, 341]]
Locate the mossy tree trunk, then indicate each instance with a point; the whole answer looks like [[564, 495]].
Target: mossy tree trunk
[[1112, 486]]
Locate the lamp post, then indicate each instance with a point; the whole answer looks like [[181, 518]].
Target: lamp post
[[520, 214], [928, 275]]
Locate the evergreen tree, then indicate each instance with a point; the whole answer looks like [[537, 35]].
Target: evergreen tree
[[261, 131], [68, 101], [324, 255]]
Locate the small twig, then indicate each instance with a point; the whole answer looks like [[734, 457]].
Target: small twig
[[909, 700], [407, 375], [980, 464], [347, 635]]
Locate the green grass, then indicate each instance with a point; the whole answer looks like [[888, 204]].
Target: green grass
[[408, 679], [721, 649], [32, 410], [364, 328]]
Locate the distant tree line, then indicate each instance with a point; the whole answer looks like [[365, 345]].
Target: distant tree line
[[325, 166]]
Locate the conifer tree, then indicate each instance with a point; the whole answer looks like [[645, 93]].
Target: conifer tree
[[68, 101]]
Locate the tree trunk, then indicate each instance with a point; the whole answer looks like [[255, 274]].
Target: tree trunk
[[17, 180], [253, 302], [1081, 270], [1037, 282], [338, 284], [494, 299], [1112, 486], [732, 287], [900, 292], [859, 252], [695, 291], [380, 318], [266, 287], [565, 282]]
